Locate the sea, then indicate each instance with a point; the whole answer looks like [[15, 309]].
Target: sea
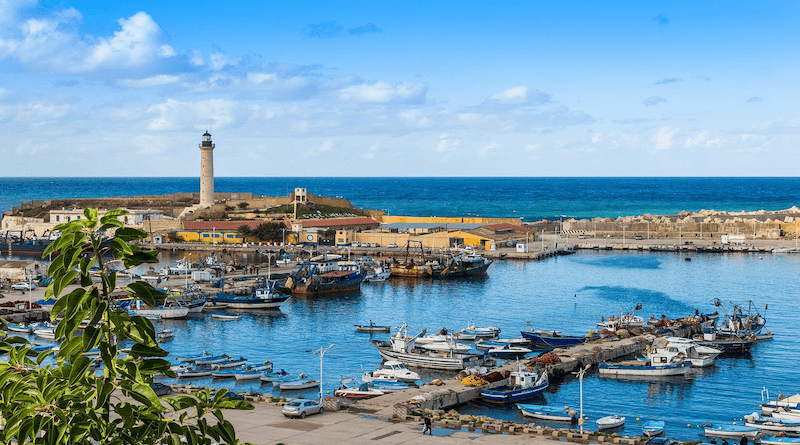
[[569, 293]]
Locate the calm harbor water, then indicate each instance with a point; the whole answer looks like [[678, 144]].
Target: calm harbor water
[[567, 293]]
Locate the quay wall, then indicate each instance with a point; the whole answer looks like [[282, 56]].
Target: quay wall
[[391, 219]]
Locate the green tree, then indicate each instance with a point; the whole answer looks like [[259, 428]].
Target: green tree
[[243, 205], [54, 397], [270, 231], [244, 230]]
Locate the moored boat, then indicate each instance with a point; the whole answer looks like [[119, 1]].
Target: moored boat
[[298, 384], [544, 412], [363, 391], [391, 369], [264, 297], [522, 385], [552, 339], [609, 422], [326, 274], [403, 348], [644, 368], [224, 316], [508, 351], [371, 327], [653, 428], [731, 430], [780, 441]]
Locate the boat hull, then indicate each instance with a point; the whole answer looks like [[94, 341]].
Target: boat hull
[[509, 395], [430, 360], [731, 431], [547, 341], [647, 371], [543, 412]]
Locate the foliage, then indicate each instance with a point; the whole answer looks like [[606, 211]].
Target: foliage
[[57, 398], [244, 230], [270, 231], [243, 205], [173, 237]]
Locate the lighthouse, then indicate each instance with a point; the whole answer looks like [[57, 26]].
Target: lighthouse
[[206, 171]]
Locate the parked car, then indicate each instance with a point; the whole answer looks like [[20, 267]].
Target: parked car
[[23, 286], [391, 245], [301, 408], [639, 237]]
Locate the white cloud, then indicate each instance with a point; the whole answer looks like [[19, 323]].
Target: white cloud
[[326, 146], [447, 144], [150, 82], [488, 149], [197, 58], [30, 147], [150, 145], [532, 147], [219, 61], [53, 43], [597, 137], [371, 152], [259, 78], [519, 95], [383, 92], [702, 139], [663, 139], [213, 113]]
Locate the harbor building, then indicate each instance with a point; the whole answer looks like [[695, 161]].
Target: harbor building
[[206, 171]]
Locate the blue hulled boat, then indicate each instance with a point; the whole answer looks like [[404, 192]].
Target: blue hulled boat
[[523, 385], [552, 339]]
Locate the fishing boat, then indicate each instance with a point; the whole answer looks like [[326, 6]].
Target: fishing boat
[[549, 413], [191, 359], [270, 376], [362, 391], [230, 362], [298, 384], [325, 274], [552, 339], [623, 321], [45, 334], [731, 430], [403, 348], [391, 370], [674, 347], [484, 344], [741, 324], [220, 373], [773, 424], [408, 267], [648, 368], [169, 310], [388, 387], [523, 385], [192, 373], [375, 272], [21, 328], [445, 346], [166, 334], [371, 327], [251, 374], [653, 428], [476, 332], [782, 401], [224, 316], [264, 297], [508, 351], [609, 422], [464, 264], [287, 378], [780, 441], [211, 360]]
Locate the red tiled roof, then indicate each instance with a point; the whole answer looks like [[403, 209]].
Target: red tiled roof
[[224, 225], [339, 222], [502, 226]]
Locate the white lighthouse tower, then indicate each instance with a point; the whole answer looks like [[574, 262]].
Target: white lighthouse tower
[[206, 171]]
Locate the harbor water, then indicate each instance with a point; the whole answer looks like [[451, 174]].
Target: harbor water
[[565, 293]]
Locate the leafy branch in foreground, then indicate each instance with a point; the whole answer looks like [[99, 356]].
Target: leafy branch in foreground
[[60, 397]]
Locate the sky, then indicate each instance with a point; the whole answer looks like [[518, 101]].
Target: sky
[[400, 88]]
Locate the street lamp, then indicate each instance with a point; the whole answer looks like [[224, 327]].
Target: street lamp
[[623, 234], [680, 235], [284, 235], [580, 380], [321, 352]]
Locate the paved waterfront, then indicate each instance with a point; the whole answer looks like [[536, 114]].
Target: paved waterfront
[[266, 425]]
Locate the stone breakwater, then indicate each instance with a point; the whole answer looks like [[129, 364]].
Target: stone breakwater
[[705, 224]]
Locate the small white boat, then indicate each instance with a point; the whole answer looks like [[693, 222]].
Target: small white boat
[[361, 392], [653, 428], [166, 334], [446, 346], [299, 384], [287, 378], [378, 274], [270, 376], [780, 441], [46, 334], [230, 363], [608, 422], [508, 351], [544, 412], [191, 373], [191, 359], [731, 430], [224, 316], [212, 359], [397, 370]]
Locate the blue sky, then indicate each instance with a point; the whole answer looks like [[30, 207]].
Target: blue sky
[[412, 88]]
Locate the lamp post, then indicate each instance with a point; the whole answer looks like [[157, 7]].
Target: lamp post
[[623, 234], [680, 235], [648, 229], [321, 352], [284, 235], [580, 380]]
